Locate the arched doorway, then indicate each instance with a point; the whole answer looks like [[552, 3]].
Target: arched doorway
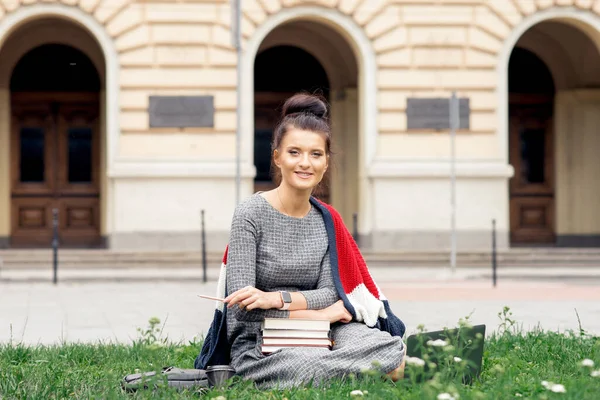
[[55, 147], [531, 145], [307, 56], [553, 117]]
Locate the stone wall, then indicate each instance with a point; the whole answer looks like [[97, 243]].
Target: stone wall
[[421, 49]]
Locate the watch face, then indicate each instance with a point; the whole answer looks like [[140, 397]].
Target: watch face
[[287, 298]]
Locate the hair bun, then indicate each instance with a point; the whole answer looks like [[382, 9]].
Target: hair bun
[[305, 103]]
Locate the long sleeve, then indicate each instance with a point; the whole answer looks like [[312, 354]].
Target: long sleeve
[[325, 294], [241, 265]]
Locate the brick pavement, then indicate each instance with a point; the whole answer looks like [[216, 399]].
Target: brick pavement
[[79, 310]]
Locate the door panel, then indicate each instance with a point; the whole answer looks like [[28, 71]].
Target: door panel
[[78, 144], [33, 158], [532, 219], [532, 187], [79, 220], [31, 221], [55, 166]]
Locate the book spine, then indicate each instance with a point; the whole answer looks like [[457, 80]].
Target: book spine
[[289, 333], [271, 349], [295, 342]]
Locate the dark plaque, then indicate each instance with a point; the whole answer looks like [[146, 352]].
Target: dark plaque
[[434, 113], [181, 111]]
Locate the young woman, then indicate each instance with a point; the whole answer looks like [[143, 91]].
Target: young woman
[[279, 249]]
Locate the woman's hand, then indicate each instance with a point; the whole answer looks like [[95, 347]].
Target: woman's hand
[[337, 313], [252, 298]]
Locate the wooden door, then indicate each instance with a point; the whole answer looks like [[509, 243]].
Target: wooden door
[[267, 112], [55, 159], [532, 156]]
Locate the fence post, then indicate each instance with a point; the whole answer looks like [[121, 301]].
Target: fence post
[[204, 279], [55, 245], [494, 261]]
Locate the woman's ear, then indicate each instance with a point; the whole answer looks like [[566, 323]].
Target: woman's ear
[[276, 158]]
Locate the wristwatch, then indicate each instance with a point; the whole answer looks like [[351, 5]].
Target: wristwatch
[[286, 297]]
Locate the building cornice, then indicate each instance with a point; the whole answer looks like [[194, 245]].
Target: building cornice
[[398, 168]]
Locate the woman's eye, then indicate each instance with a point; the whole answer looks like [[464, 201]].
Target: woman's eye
[[317, 154], [294, 152]]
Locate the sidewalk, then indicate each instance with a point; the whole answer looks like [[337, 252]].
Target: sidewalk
[[380, 274], [109, 305]]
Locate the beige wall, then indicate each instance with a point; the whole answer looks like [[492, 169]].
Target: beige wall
[[421, 50], [181, 49], [436, 146], [577, 162], [418, 50]]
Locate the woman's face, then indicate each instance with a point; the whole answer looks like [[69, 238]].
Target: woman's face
[[302, 159]]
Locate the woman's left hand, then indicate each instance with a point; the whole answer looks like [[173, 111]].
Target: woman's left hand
[[252, 298]]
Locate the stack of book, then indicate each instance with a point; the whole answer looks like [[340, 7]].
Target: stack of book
[[280, 333]]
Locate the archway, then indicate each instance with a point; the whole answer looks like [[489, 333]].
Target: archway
[[553, 84], [307, 56], [52, 74], [531, 148]]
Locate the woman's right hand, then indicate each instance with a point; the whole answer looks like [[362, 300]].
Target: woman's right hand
[[337, 313]]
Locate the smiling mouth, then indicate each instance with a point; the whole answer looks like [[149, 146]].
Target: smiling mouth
[[304, 174]]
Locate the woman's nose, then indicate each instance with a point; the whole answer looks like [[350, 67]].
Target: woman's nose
[[304, 161]]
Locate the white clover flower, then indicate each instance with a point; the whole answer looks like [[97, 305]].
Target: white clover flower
[[518, 395], [557, 388], [545, 384], [449, 349], [595, 374], [437, 343], [356, 393], [457, 359], [587, 363], [446, 396], [415, 361]]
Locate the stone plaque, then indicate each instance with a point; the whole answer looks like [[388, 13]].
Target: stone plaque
[[181, 111], [434, 113]]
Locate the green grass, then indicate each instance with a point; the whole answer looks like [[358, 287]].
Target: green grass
[[514, 362]]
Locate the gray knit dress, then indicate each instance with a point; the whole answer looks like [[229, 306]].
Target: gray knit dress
[[272, 251]]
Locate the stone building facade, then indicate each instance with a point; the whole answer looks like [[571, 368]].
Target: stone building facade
[[87, 121]]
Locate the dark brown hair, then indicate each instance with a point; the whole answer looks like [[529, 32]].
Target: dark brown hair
[[307, 112]]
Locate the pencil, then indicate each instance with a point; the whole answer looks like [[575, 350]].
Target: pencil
[[211, 298]]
